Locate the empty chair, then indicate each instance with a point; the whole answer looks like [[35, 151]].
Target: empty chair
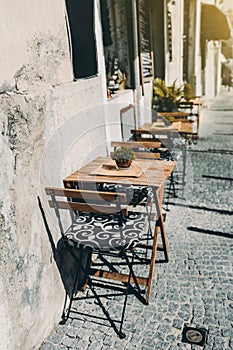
[[101, 224]]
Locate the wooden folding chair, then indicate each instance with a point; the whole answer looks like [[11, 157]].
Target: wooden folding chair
[[100, 223]]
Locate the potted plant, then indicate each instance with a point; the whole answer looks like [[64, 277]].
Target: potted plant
[[187, 91], [166, 98], [123, 157]]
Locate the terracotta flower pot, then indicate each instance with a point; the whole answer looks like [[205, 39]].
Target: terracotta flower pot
[[123, 165]]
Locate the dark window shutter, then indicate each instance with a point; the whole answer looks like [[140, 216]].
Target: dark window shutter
[[83, 45]]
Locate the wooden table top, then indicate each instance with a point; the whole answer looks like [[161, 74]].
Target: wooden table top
[[174, 114], [154, 173], [183, 127], [192, 101], [148, 128], [175, 127]]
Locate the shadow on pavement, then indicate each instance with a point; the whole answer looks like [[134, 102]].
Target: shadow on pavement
[[210, 232], [215, 210]]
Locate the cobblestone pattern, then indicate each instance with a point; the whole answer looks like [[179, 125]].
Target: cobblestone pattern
[[196, 286]]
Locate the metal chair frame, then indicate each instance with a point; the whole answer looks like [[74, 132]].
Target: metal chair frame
[[74, 201]]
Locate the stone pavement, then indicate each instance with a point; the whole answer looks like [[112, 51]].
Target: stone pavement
[[196, 286]]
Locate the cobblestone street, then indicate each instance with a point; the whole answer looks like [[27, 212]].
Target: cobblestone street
[[196, 286]]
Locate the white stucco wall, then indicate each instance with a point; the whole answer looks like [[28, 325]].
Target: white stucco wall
[[119, 101], [212, 69], [39, 102], [21, 29]]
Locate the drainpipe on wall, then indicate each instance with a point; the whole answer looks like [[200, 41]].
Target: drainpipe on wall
[[137, 91]]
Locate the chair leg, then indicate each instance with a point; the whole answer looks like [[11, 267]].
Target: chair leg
[[128, 289], [106, 313], [136, 291], [69, 299], [68, 302], [170, 189], [173, 185]]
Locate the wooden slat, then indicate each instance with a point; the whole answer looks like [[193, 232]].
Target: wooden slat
[[147, 155], [135, 144], [87, 208], [151, 137], [115, 276], [144, 155], [140, 131], [173, 114], [86, 194]]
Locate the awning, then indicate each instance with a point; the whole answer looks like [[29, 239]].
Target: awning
[[214, 23]]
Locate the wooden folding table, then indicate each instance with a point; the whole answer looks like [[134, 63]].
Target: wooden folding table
[[154, 174]]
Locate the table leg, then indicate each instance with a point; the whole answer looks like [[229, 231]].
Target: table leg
[[158, 226], [152, 264], [160, 223], [184, 157]]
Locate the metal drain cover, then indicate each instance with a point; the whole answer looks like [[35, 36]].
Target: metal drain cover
[[193, 335]]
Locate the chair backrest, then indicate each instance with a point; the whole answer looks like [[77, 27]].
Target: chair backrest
[[128, 121], [140, 148], [86, 201], [137, 144], [144, 155], [179, 114]]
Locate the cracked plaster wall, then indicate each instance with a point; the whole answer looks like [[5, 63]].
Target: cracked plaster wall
[[37, 96]]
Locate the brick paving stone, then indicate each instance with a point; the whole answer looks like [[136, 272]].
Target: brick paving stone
[[178, 323], [77, 323], [55, 338], [95, 346], [81, 344], [61, 329], [132, 345], [183, 346], [161, 345], [170, 338], [72, 332], [68, 342], [227, 332], [47, 346], [195, 287]]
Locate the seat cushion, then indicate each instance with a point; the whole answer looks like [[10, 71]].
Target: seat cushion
[[100, 231]]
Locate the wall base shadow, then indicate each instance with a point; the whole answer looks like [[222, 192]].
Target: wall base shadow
[[66, 260]]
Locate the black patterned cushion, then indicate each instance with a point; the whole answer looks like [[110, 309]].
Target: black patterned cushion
[[100, 231]]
